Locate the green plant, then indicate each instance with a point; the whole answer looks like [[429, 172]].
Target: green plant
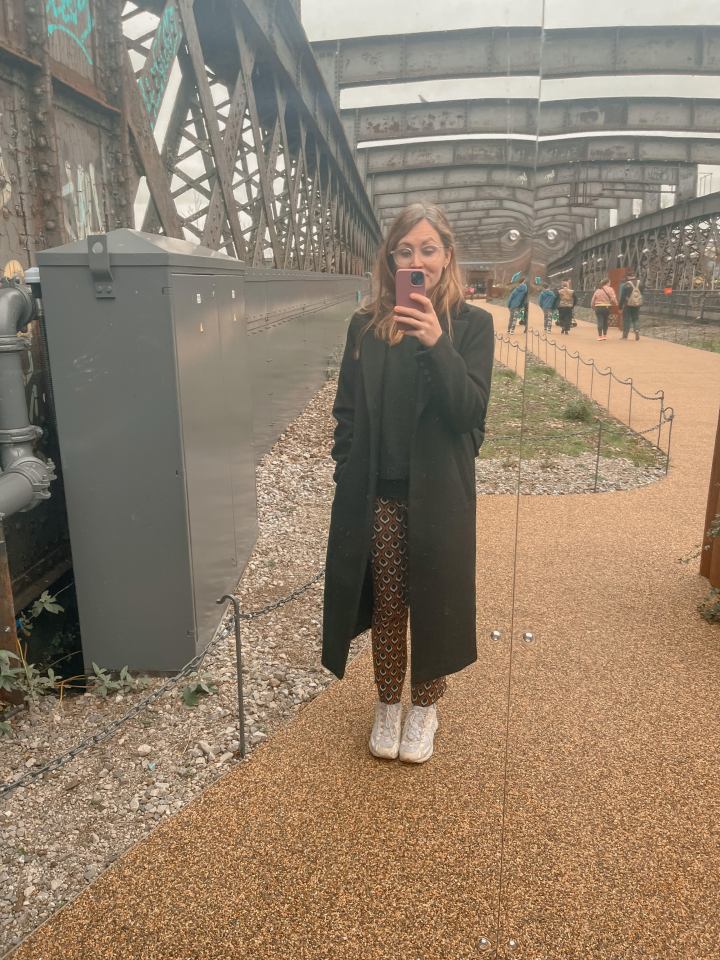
[[545, 371], [101, 682], [202, 687], [710, 607], [44, 603], [506, 372], [578, 409], [9, 674], [24, 676]]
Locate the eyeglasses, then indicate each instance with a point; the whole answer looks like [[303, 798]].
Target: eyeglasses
[[404, 256]]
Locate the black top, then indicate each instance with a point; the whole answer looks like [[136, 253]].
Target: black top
[[396, 419]]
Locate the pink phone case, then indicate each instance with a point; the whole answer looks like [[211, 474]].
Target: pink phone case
[[403, 287]]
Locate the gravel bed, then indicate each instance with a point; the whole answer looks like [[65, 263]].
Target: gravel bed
[[59, 833], [563, 474]]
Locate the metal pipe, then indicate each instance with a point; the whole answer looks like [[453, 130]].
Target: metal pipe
[[25, 479]]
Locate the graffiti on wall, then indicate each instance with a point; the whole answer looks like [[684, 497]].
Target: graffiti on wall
[[71, 17], [81, 208], [155, 74]]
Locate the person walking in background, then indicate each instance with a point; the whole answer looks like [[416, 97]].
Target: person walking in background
[[566, 304], [630, 302], [603, 300], [410, 407], [546, 302], [517, 304]]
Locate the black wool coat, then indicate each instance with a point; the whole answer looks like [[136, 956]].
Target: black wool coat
[[453, 388]]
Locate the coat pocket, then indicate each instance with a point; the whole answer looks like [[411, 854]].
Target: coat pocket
[[478, 436]]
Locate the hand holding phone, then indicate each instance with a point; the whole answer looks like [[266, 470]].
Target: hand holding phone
[[407, 282]]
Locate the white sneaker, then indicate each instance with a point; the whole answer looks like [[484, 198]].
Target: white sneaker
[[416, 745], [385, 736]]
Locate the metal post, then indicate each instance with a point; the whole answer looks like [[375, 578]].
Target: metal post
[[630, 404], [609, 388], [597, 458], [227, 598], [671, 417]]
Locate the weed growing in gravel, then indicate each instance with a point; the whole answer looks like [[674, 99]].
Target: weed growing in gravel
[[101, 682], [203, 686], [710, 607], [17, 675], [578, 409]]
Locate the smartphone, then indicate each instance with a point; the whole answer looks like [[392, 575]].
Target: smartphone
[[407, 282]]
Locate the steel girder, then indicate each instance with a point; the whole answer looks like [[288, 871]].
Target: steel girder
[[517, 51], [677, 248], [499, 117], [593, 180], [512, 153]]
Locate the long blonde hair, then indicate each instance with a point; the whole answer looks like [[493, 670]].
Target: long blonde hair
[[446, 296]]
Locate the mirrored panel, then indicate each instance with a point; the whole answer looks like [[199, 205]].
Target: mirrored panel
[[450, 117], [610, 798]]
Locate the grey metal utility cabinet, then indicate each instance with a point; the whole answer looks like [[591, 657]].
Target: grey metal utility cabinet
[[149, 369]]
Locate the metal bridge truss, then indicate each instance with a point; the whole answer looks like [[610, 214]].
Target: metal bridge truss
[[675, 249], [256, 170], [253, 158]]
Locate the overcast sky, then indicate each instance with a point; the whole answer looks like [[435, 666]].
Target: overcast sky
[[329, 19]]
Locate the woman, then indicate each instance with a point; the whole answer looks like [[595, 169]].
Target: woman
[[602, 301], [410, 411], [567, 300]]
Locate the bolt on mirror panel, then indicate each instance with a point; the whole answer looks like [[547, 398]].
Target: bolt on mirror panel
[[608, 736]]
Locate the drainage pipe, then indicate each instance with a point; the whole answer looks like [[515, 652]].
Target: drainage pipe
[[24, 478]]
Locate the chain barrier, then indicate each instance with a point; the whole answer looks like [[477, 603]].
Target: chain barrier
[[190, 667], [665, 413]]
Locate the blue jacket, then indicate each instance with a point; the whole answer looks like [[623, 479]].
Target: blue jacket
[[546, 300], [518, 297]]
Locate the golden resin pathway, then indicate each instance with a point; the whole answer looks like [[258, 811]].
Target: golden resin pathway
[[574, 795]]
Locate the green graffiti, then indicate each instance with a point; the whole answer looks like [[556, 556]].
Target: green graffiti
[[156, 72], [73, 18]]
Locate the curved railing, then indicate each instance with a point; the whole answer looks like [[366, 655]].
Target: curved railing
[[509, 351]]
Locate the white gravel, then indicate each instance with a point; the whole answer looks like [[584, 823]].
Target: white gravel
[[58, 834]]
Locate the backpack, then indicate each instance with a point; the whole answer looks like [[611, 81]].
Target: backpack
[[566, 297], [635, 299]]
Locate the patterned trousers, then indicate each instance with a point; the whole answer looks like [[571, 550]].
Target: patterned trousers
[[389, 558]]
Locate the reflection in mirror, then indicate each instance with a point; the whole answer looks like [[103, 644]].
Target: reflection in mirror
[[610, 729], [450, 117]]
